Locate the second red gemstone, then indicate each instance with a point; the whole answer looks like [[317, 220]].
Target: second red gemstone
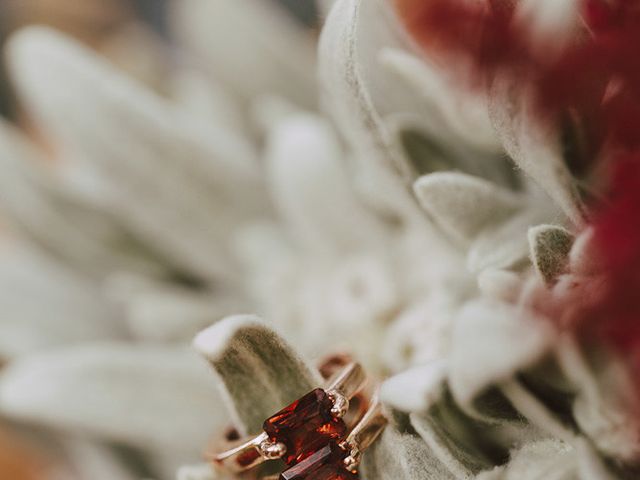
[[305, 426], [325, 464]]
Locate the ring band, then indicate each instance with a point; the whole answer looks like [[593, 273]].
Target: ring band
[[298, 430]]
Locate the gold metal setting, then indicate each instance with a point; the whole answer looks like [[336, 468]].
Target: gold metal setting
[[341, 388]]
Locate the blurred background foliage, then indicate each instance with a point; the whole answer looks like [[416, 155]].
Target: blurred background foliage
[[99, 24], [95, 22]]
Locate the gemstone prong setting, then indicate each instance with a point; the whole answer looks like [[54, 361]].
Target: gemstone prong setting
[[270, 450], [340, 403]]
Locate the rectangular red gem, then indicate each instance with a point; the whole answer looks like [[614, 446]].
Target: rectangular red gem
[[325, 464], [305, 426]]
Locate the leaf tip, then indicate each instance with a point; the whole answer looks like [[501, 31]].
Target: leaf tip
[[211, 342]]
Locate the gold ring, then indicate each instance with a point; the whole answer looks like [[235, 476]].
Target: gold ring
[[314, 431], [340, 461]]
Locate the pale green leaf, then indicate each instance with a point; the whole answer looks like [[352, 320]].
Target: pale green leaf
[[533, 146], [462, 205], [176, 184], [416, 389], [402, 456], [547, 459], [259, 371], [505, 246], [197, 472], [154, 398], [225, 33], [492, 342], [60, 220], [450, 435], [353, 33], [605, 402], [550, 246]]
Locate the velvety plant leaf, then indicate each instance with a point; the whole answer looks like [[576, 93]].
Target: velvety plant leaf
[[224, 33], [176, 185], [197, 472], [550, 246], [448, 101], [446, 430], [501, 285], [402, 456], [351, 33], [547, 459], [309, 180], [535, 410], [534, 147], [259, 372], [45, 304], [61, 221], [491, 342], [462, 205], [416, 389], [503, 246], [605, 400], [117, 392]]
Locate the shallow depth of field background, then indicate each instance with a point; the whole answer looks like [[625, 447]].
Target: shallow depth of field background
[[95, 21], [98, 24]]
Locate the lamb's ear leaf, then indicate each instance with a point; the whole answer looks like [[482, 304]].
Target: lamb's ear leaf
[[259, 372], [463, 205], [303, 162], [534, 147], [452, 112], [550, 246], [605, 401], [116, 392], [224, 33], [477, 365], [416, 389], [171, 180], [41, 206], [533, 459], [504, 246], [592, 466], [423, 153], [535, 411], [351, 34], [398, 455], [449, 433], [200, 471], [537, 459]]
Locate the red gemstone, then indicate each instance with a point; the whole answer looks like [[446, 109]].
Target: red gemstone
[[325, 464], [305, 426]]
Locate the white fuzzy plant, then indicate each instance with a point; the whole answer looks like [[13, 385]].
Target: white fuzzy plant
[[391, 225]]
